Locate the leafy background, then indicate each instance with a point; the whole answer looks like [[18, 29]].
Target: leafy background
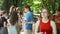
[[35, 5]]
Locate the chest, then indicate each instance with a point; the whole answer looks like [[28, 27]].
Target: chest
[[45, 26]]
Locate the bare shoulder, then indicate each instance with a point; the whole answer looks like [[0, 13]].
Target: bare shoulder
[[52, 23]]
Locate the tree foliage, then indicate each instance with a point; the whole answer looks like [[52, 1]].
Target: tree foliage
[[36, 5]]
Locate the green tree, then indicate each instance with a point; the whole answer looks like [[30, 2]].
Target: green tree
[[36, 5]]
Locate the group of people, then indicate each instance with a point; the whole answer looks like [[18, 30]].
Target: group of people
[[16, 20]]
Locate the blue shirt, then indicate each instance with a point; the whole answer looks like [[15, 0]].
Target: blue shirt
[[29, 18]]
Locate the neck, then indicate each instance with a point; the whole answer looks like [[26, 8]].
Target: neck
[[45, 19]]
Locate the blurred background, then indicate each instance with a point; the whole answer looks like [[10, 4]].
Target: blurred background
[[36, 5]]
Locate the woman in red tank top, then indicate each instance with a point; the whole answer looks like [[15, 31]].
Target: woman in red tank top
[[46, 26]]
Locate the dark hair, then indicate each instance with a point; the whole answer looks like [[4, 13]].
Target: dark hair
[[27, 6], [13, 8], [12, 22], [21, 13], [4, 12], [14, 16]]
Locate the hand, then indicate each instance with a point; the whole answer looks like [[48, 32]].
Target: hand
[[23, 23]]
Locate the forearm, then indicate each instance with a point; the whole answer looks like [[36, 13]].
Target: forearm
[[36, 29], [54, 31], [53, 27], [30, 22], [5, 25]]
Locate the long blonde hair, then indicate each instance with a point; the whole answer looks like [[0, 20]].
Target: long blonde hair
[[11, 8]]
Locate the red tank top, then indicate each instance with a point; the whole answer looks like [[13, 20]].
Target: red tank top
[[45, 28]]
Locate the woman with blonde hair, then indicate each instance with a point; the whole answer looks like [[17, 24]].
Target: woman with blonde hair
[[45, 25], [12, 9]]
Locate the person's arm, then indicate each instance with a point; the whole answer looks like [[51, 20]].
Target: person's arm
[[8, 23], [53, 27], [36, 26], [5, 24], [29, 19], [30, 22]]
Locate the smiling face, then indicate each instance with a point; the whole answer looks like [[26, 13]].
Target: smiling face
[[44, 13]]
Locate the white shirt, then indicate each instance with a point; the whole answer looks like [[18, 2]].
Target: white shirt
[[12, 30]]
